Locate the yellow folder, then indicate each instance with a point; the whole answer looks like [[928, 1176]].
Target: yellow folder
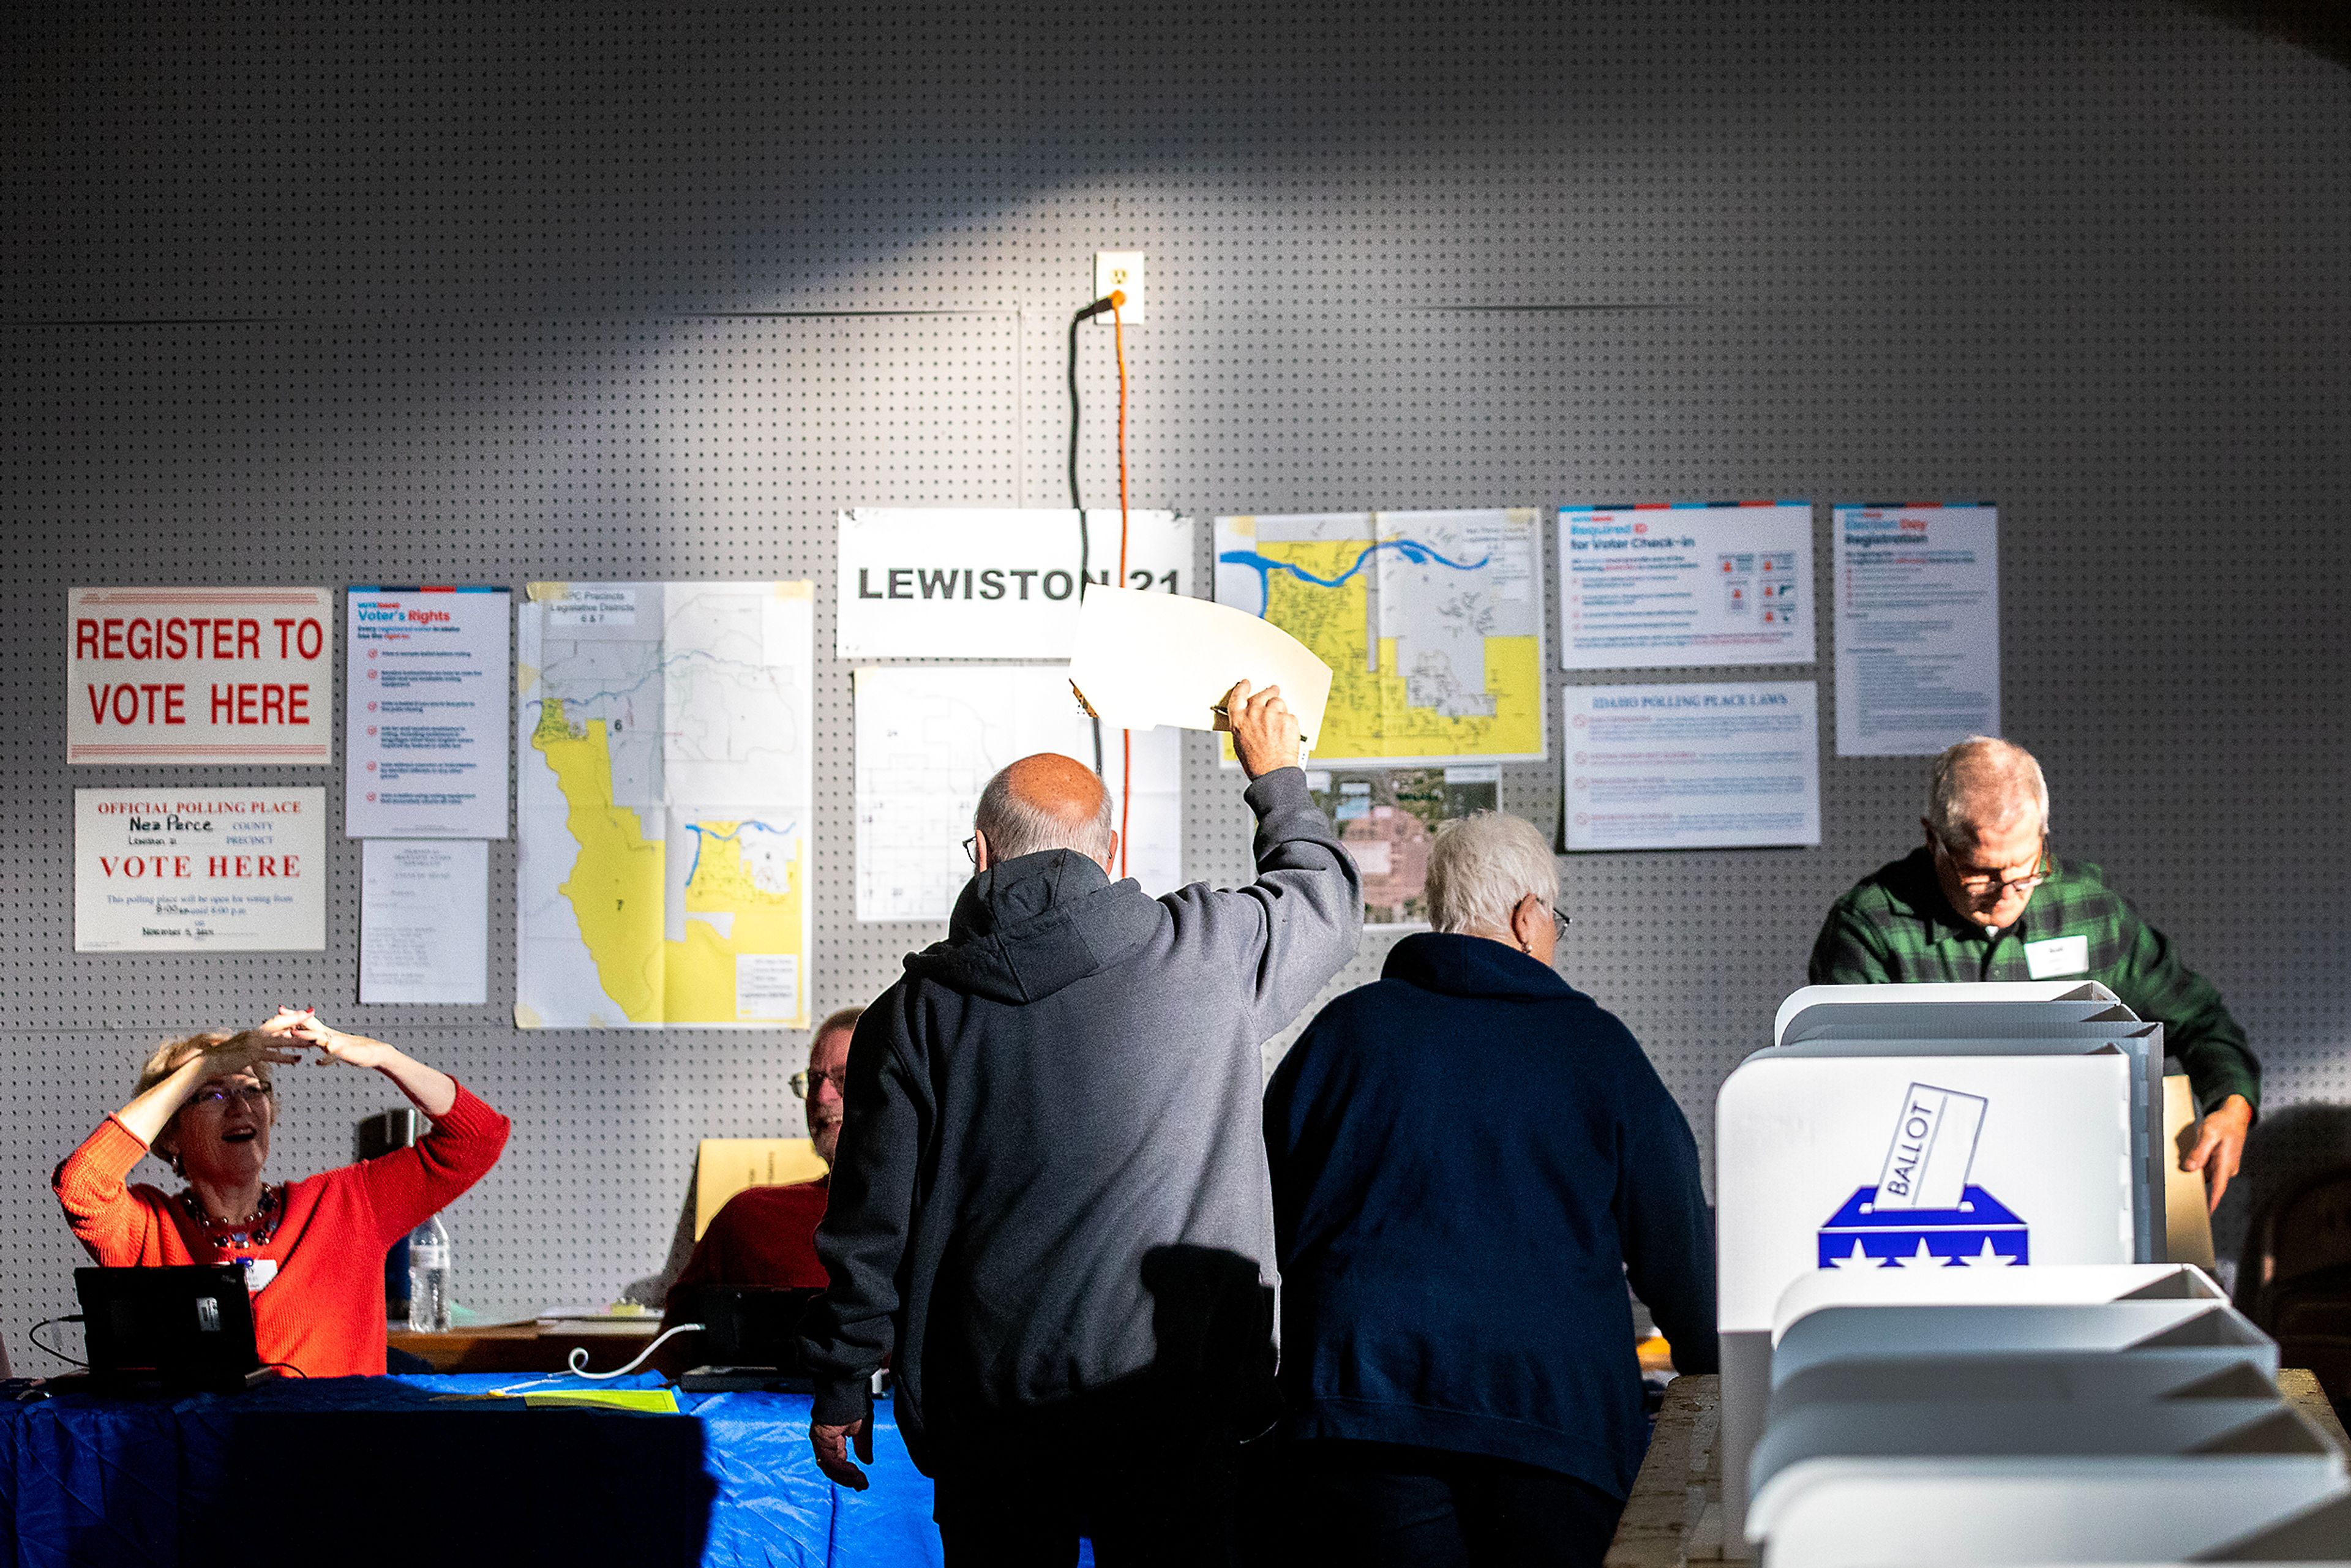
[[725, 1167]]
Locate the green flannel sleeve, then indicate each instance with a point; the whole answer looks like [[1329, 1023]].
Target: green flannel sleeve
[[2197, 1028], [1849, 951]]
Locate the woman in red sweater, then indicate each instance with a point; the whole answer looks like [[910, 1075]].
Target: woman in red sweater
[[312, 1250]]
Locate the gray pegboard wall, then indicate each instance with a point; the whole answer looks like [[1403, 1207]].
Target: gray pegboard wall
[[378, 293]]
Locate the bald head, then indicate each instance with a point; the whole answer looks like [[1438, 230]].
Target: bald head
[[1984, 786], [1045, 802]]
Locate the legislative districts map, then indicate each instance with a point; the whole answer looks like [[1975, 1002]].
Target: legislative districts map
[[1431, 623], [929, 737], [663, 766]]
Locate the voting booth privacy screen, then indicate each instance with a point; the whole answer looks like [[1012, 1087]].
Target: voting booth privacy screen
[[649, 295], [1919, 1162]]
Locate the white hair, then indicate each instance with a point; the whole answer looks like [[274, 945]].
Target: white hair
[[1983, 782], [1015, 827], [1483, 867]]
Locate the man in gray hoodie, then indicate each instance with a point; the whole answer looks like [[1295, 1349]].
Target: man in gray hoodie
[[1050, 1206]]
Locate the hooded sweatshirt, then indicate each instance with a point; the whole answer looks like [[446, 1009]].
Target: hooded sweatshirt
[[1471, 1158], [1050, 1179]]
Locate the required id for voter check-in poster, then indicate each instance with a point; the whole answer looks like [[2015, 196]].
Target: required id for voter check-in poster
[[1702, 765], [1693, 583], [164, 869], [1917, 626]]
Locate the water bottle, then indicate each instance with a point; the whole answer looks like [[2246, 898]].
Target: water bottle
[[428, 1278]]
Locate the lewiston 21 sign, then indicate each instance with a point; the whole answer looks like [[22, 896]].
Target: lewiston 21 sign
[[1002, 584]]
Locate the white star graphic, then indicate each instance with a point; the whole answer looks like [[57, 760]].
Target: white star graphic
[[1921, 1258], [1857, 1259], [1988, 1259]]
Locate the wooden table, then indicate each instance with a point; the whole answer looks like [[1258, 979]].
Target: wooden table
[[1674, 1517], [528, 1347]]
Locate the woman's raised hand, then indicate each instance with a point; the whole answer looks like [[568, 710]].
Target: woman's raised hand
[[304, 1028], [239, 1052]]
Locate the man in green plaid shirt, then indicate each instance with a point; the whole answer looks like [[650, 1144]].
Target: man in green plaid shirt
[[1984, 900]]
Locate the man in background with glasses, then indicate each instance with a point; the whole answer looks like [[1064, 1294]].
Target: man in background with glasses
[[1983, 899], [767, 1235]]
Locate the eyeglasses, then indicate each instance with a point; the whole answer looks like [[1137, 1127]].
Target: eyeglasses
[[836, 1076], [222, 1095], [1978, 882], [971, 849], [1560, 918]]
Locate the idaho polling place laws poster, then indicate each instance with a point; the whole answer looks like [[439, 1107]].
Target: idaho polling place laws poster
[[174, 870]]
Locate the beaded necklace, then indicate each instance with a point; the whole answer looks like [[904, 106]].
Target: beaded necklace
[[227, 1235]]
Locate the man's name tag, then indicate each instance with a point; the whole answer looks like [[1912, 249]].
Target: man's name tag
[[258, 1271], [2057, 957]]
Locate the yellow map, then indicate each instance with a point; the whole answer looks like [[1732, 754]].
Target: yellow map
[[1431, 623], [645, 900]]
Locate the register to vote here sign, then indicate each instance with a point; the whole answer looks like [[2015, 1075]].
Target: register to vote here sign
[[199, 674]]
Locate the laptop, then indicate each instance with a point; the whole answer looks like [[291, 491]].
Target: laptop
[[178, 1329], [750, 1337]]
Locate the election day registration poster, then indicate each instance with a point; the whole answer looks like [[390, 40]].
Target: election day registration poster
[[171, 870]]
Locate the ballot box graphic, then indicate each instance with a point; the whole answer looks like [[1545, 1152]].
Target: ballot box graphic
[[1912, 1132], [1981, 1232], [1922, 1212]]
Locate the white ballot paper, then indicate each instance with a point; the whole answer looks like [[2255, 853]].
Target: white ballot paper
[[1147, 659], [929, 737], [1917, 627], [1934, 1148], [424, 921], [426, 721]]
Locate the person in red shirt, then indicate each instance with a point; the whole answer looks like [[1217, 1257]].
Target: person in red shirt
[[312, 1250], [767, 1235]]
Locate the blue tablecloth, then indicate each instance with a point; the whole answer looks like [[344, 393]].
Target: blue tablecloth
[[376, 1469]]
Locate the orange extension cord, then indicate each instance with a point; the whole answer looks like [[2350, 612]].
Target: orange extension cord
[[1125, 737]]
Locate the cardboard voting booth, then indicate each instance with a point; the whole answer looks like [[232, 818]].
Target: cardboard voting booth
[[1920, 1129], [2047, 1414]]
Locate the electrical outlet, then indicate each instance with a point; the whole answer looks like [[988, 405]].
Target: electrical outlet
[[1120, 269]]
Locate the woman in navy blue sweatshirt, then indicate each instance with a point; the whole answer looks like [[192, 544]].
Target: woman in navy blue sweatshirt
[[1471, 1158]]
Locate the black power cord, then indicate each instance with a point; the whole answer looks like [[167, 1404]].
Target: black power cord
[[34, 1334], [1085, 545]]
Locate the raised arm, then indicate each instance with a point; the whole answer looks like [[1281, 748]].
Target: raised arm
[[1308, 894], [430, 1090], [407, 1186]]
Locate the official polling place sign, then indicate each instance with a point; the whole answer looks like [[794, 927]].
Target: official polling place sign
[[167, 870], [200, 674], [937, 583]]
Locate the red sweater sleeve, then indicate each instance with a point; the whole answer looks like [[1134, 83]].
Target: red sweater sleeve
[[118, 1226], [407, 1186]]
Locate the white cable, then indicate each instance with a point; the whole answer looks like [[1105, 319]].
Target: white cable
[[578, 1362]]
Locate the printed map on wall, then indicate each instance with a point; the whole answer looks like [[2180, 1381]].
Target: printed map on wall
[[929, 737], [1431, 623], [664, 783]]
